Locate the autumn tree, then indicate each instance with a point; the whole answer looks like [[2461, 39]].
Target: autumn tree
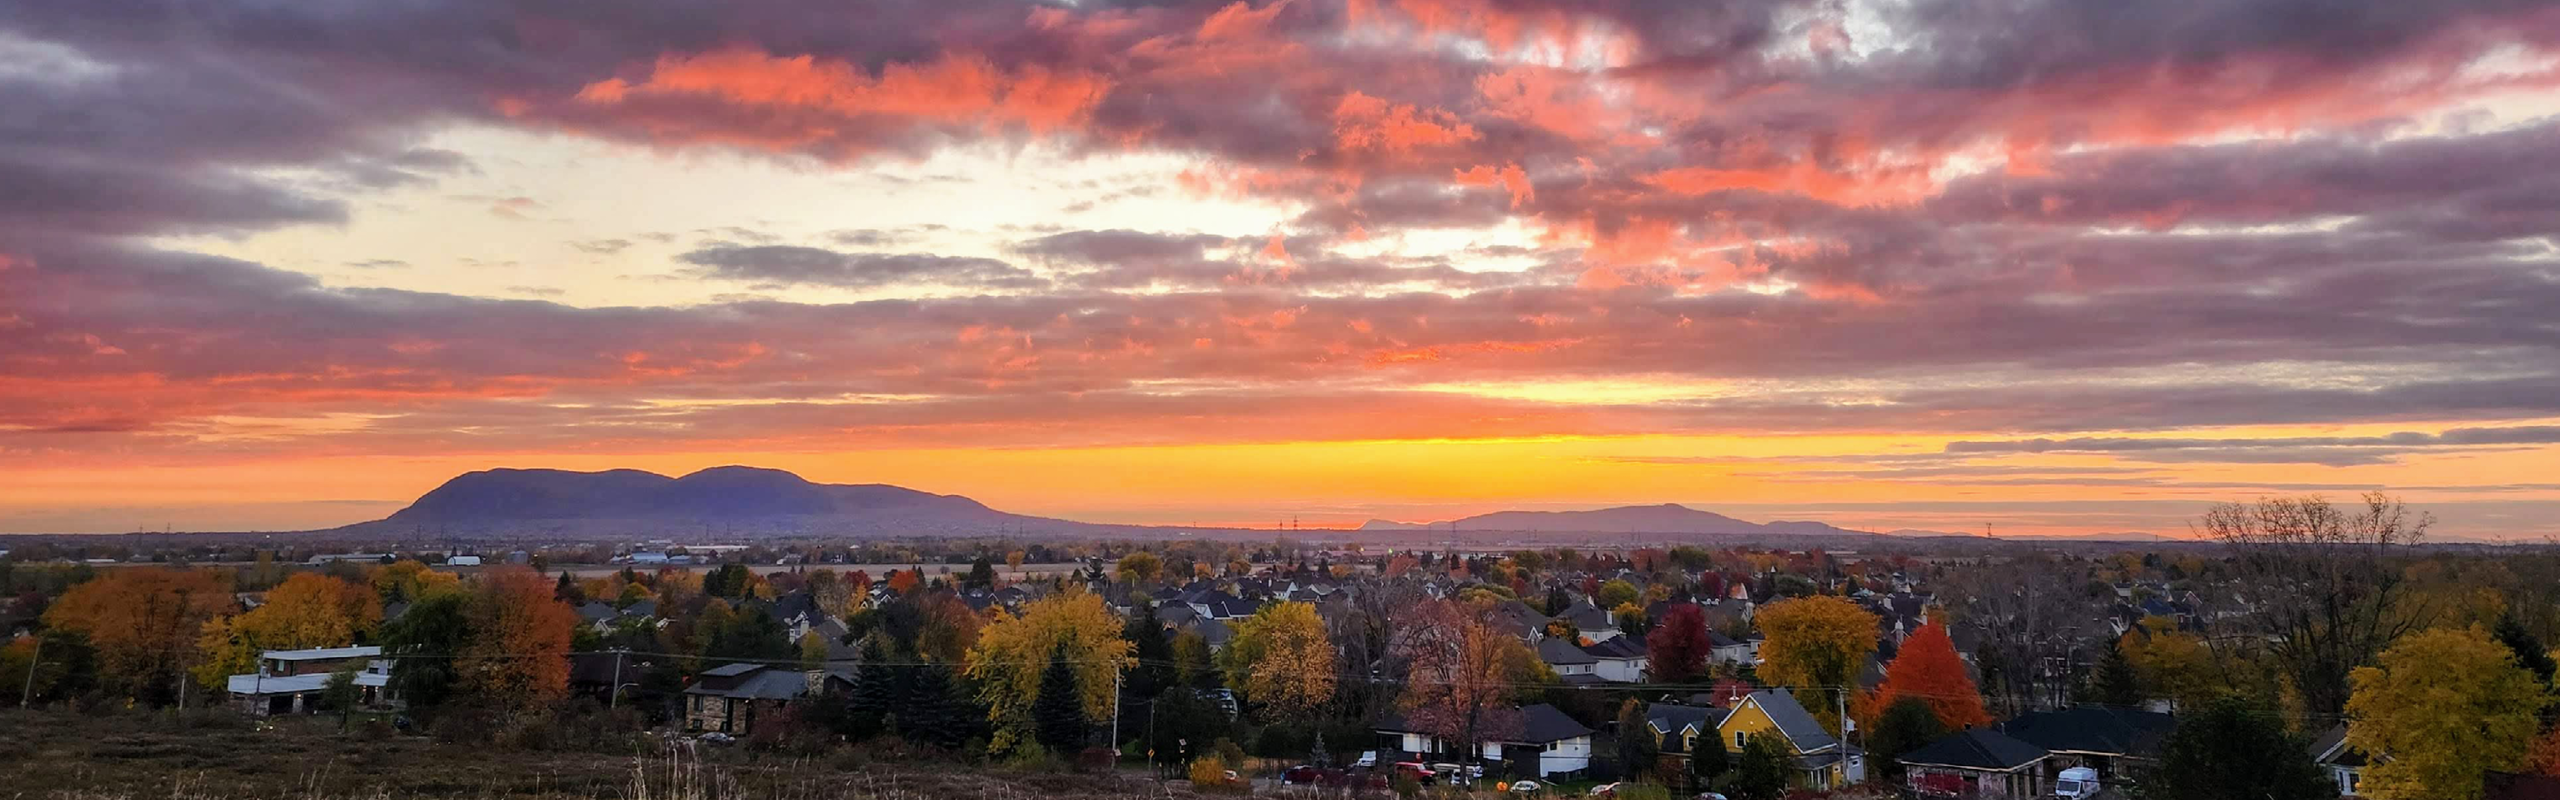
[[1281, 658], [143, 624], [518, 653], [424, 643], [407, 580], [1616, 592], [1676, 650], [1140, 568], [308, 610], [1012, 651], [1462, 669], [2442, 707], [1928, 668], [2231, 749], [2329, 582], [2172, 664], [1815, 645]]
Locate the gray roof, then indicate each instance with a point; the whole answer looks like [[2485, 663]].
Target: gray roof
[[1672, 718], [1617, 647], [765, 684], [1560, 652], [1792, 720], [1977, 748]]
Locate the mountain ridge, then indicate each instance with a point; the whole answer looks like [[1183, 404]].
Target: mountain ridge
[[726, 497], [1656, 518]]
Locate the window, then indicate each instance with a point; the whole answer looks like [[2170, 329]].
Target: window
[[1737, 740]]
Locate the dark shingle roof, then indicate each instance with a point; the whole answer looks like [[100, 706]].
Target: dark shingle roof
[[1617, 647], [2091, 729], [1979, 748], [1671, 718], [1560, 652]]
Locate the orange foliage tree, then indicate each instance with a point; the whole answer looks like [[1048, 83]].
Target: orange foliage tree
[[1928, 668], [519, 654], [143, 621]]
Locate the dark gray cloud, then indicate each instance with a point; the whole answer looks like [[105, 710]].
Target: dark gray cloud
[[786, 265]]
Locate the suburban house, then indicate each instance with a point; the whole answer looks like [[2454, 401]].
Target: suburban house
[[1722, 649], [729, 698], [1979, 762], [2109, 740], [1591, 623], [1821, 761], [2344, 764], [1572, 665], [1547, 743], [291, 681], [1620, 659]]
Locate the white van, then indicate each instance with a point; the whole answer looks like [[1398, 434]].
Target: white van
[[2076, 783]]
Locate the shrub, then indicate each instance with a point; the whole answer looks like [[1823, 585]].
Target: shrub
[[1208, 772]]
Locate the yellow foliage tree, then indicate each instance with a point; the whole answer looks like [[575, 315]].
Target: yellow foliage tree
[[1281, 658], [1010, 653], [2172, 664], [407, 580], [2443, 707], [1815, 645], [1140, 568], [309, 610]]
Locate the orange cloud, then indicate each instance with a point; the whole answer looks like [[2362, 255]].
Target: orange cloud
[[1509, 177], [1362, 122], [954, 88]]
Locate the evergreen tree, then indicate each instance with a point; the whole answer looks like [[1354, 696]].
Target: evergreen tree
[[1058, 713], [436, 627], [751, 635], [1557, 601], [2234, 750], [1709, 762], [1904, 726], [568, 591], [982, 574], [2528, 650], [943, 716], [1635, 740], [878, 692], [2114, 682], [1154, 651], [1762, 771]]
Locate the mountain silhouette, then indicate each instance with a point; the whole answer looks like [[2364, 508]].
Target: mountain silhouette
[[730, 498], [1664, 518]]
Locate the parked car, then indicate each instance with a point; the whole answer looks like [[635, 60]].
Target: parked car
[[1525, 786], [1414, 769], [715, 737], [1604, 790], [1368, 760], [1709, 796], [1301, 774]]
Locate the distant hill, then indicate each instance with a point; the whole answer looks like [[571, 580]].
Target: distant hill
[[741, 499], [1665, 518], [2125, 536]]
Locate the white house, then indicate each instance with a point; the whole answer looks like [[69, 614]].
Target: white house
[[1619, 659], [290, 681], [1547, 743]]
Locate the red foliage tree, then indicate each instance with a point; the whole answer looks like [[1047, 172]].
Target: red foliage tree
[[1677, 649], [1928, 668]]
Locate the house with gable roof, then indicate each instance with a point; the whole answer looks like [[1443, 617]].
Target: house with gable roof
[[1822, 761]]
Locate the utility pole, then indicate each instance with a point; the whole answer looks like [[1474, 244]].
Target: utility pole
[[613, 696], [1115, 713], [27, 695]]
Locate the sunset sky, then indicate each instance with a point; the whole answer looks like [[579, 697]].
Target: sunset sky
[[2059, 267]]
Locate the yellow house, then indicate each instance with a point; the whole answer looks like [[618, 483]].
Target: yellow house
[[1822, 762]]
